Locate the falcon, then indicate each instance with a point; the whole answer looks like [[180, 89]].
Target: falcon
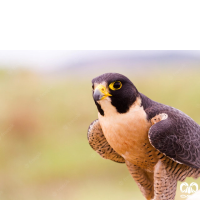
[[159, 144]]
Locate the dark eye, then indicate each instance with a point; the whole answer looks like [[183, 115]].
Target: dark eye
[[115, 85], [93, 87]]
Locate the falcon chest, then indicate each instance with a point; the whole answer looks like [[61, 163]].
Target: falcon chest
[[128, 133]]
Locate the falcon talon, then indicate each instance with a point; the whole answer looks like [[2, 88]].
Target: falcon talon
[[127, 120]]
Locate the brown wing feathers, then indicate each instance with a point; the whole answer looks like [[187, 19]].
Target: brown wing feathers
[[99, 143]]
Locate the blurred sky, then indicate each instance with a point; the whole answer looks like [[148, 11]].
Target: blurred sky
[[50, 60]]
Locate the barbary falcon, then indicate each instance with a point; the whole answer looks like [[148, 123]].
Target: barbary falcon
[[159, 144]]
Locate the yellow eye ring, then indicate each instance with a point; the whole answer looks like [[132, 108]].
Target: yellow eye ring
[[115, 85]]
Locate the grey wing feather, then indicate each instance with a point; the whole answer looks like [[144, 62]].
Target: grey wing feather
[[99, 143], [177, 137]]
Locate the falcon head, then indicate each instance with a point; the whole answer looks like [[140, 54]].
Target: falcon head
[[113, 91]]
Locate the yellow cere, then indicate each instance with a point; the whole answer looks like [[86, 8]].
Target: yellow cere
[[111, 86], [103, 90]]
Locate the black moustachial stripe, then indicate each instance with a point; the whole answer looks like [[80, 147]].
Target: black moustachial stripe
[[99, 108]]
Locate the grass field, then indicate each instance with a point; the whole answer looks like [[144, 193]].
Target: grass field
[[44, 152]]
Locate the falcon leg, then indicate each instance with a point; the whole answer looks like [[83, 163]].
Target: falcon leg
[[164, 183], [143, 179]]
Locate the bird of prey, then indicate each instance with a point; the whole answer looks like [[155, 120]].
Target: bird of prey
[[159, 144]]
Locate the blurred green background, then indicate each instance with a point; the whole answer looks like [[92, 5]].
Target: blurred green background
[[44, 117]]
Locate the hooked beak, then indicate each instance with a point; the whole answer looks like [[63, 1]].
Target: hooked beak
[[100, 93]]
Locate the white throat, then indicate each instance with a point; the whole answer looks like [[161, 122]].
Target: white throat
[[107, 107]]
